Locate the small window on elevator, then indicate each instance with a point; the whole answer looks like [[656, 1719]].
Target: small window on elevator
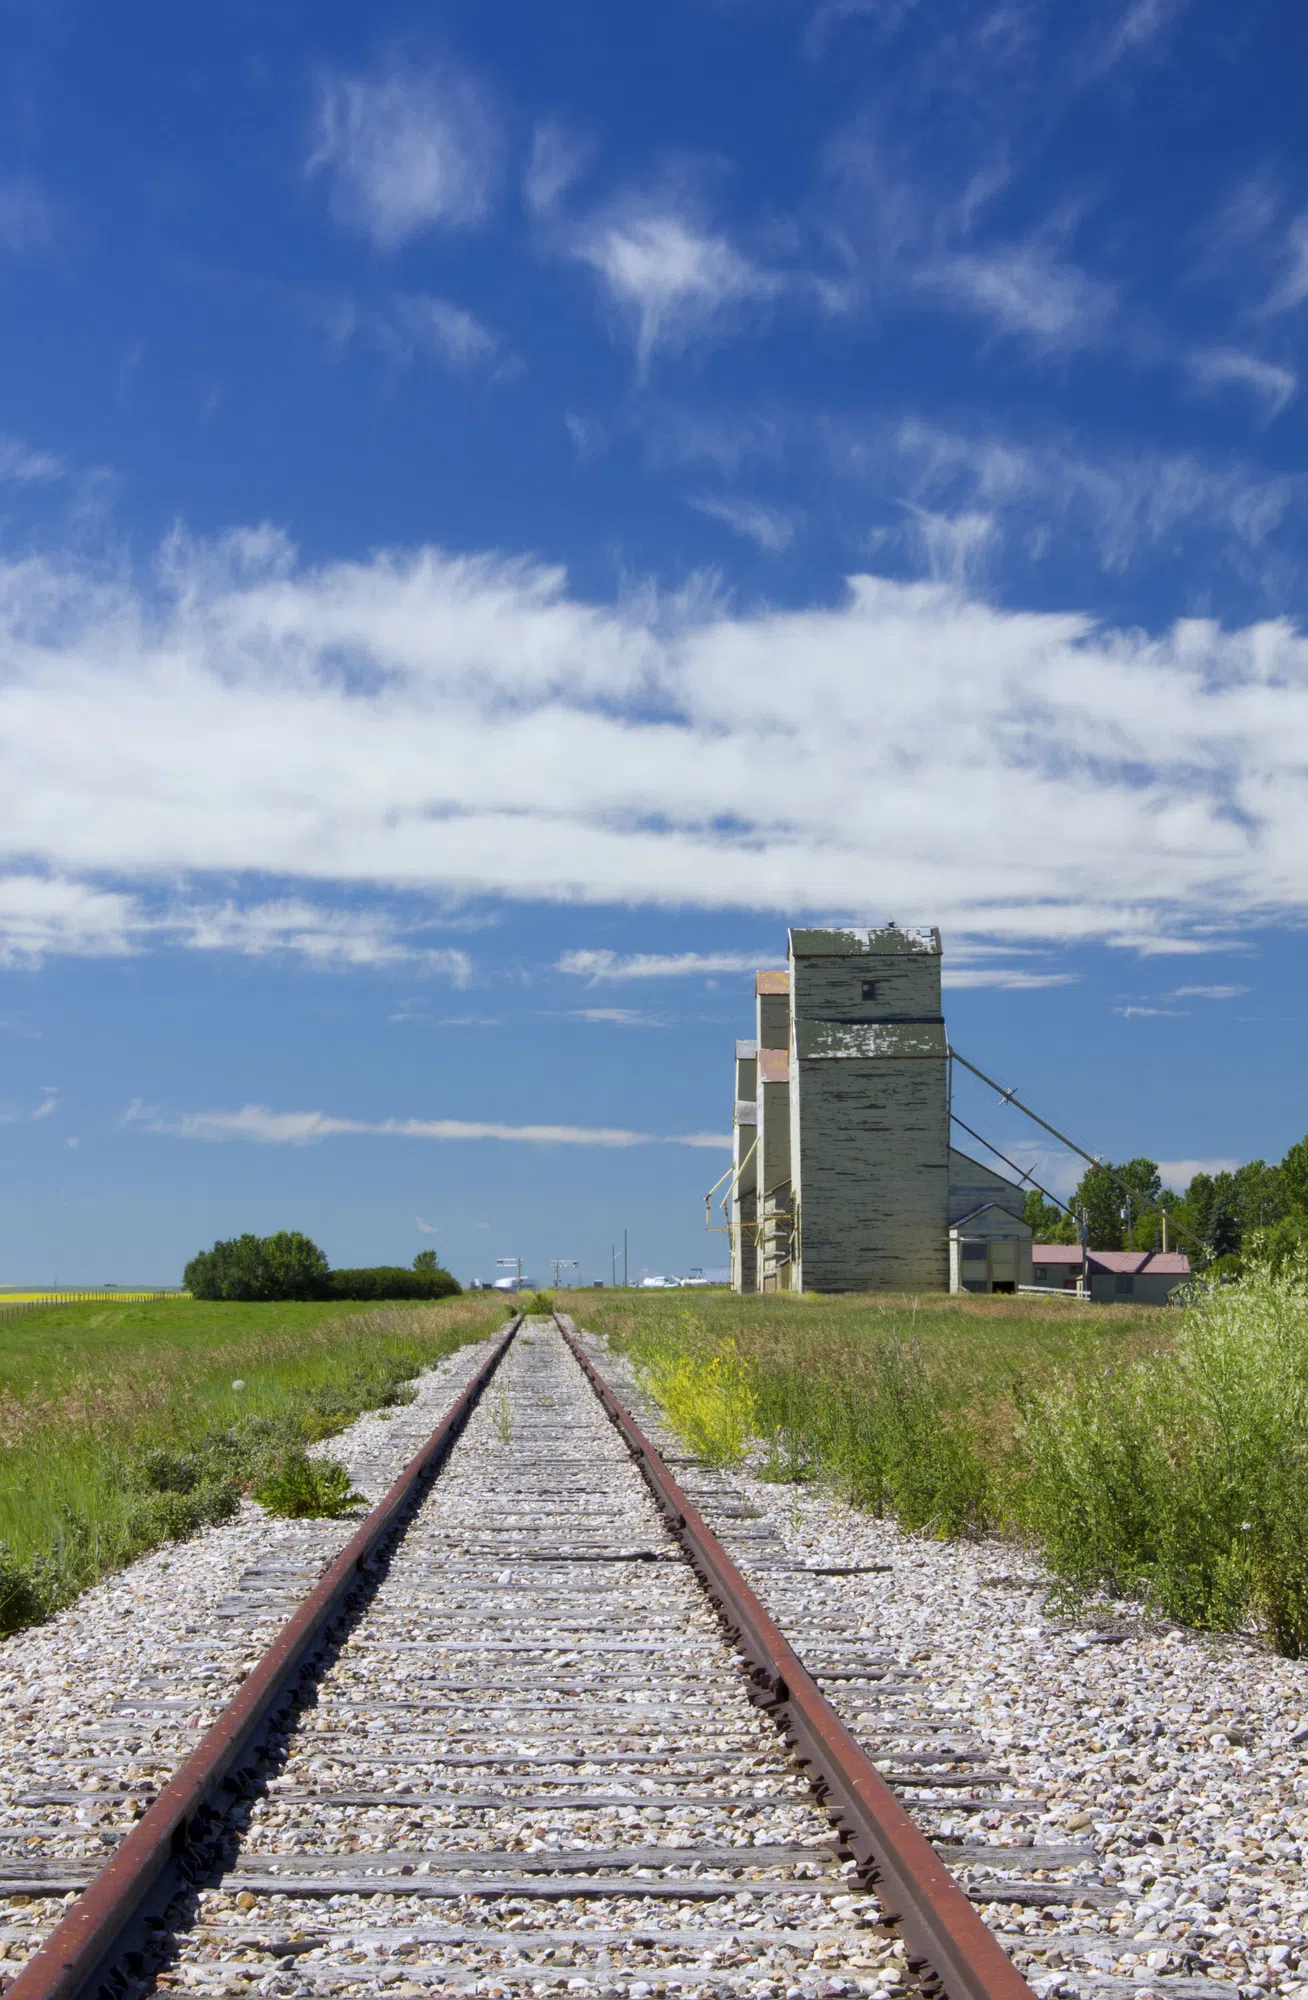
[[869, 989]]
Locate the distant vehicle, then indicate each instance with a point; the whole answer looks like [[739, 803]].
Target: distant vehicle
[[659, 1284], [523, 1284]]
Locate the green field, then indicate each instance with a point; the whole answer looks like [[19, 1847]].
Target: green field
[[976, 1352], [120, 1425], [1160, 1454]]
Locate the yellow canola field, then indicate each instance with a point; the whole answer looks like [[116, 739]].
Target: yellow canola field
[[20, 1298]]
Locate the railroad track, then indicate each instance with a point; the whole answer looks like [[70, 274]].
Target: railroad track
[[534, 1731]]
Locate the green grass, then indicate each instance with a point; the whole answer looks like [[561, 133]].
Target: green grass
[[1159, 1454], [124, 1426]]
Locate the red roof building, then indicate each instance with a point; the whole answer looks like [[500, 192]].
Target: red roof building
[[1144, 1277]]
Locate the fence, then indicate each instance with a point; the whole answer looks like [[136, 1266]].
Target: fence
[[11, 1310]]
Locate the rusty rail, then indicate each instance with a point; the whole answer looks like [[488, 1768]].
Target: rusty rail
[[111, 1918], [949, 1947]]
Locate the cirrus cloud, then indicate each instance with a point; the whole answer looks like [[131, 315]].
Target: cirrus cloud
[[406, 149], [308, 1128]]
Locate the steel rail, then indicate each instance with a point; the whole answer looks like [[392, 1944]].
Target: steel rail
[[950, 1948], [111, 1919]]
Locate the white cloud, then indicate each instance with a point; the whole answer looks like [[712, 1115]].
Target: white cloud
[[425, 1228], [405, 150], [1230, 368], [50, 916], [323, 937], [23, 466], [44, 916], [768, 526], [1209, 992], [609, 965], [1291, 286], [1138, 27], [1008, 979], [418, 325], [620, 1017], [1010, 775], [554, 165], [954, 547], [47, 1108], [1178, 1174], [26, 216], [1150, 1013], [673, 281], [1026, 289], [1130, 504], [308, 1128]]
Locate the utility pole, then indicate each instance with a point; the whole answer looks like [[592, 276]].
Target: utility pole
[[613, 1257], [516, 1263], [562, 1264], [624, 1259]]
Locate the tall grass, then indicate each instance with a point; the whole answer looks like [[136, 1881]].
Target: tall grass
[[868, 1422], [122, 1429], [1166, 1461], [1184, 1481]]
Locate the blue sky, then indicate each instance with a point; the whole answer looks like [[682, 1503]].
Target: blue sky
[[501, 508]]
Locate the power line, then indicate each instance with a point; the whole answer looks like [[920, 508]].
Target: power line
[[1023, 1173]]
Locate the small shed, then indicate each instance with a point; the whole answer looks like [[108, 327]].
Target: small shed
[[1140, 1277], [989, 1251], [1057, 1266]]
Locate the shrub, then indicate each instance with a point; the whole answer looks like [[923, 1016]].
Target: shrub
[[1184, 1480], [389, 1281], [540, 1304], [302, 1488]]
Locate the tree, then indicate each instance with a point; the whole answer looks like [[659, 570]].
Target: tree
[[1104, 1190], [1293, 1172], [1260, 1195], [1282, 1246], [287, 1265], [1048, 1223], [1211, 1213], [293, 1266], [426, 1260]]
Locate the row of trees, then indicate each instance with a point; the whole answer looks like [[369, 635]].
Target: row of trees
[[1253, 1210], [289, 1265]]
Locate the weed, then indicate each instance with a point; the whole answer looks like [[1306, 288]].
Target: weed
[[708, 1400], [539, 1304], [301, 1488], [1184, 1480], [504, 1417]]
